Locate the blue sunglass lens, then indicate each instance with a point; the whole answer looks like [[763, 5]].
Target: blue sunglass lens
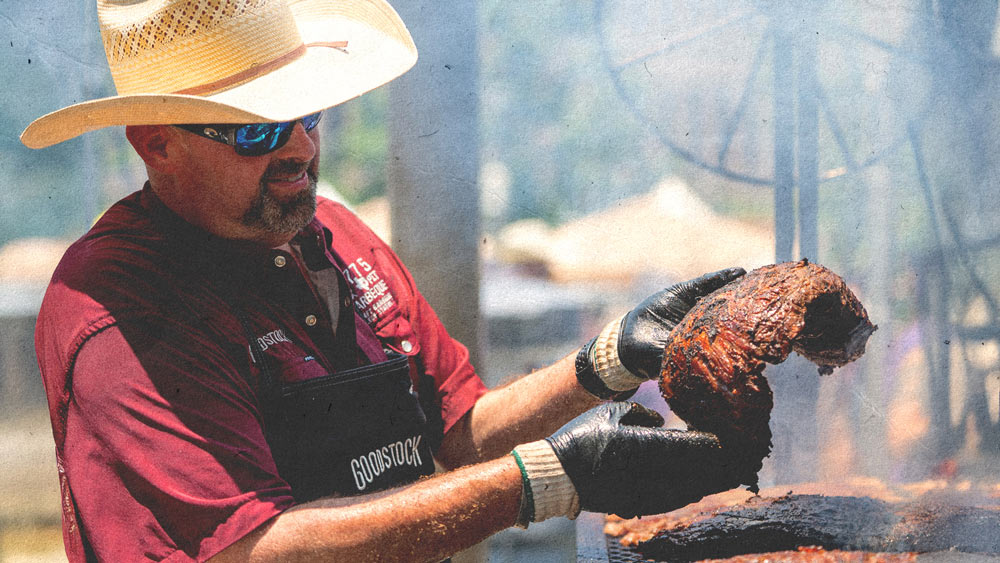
[[260, 138], [255, 139], [311, 121], [254, 134]]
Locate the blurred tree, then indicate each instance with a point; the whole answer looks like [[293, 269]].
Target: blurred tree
[[355, 147], [548, 114]]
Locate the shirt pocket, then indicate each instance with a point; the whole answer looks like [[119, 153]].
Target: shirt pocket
[[396, 332]]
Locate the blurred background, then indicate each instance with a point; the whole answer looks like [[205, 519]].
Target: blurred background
[[549, 164]]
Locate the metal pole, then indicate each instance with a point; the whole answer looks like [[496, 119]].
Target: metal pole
[[784, 146], [784, 235], [799, 389], [808, 147], [434, 163], [878, 300]]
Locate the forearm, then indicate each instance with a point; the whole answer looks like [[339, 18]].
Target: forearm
[[527, 409], [425, 521]]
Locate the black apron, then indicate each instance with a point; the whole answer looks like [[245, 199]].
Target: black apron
[[353, 432], [349, 433]]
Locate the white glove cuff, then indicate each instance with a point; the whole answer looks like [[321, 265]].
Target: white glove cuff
[[606, 362], [550, 488]]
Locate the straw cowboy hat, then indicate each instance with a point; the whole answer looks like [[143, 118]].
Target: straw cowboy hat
[[234, 61]]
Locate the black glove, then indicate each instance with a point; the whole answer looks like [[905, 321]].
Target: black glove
[[629, 351], [622, 462], [646, 329]]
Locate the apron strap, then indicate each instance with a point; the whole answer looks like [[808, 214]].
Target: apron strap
[[368, 341], [317, 255]]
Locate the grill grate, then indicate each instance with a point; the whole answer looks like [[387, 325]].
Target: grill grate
[[594, 546], [617, 553]]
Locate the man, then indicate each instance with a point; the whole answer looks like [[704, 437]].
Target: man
[[238, 373]]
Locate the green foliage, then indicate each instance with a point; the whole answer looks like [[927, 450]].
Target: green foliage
[[355, 147], [550, 115]]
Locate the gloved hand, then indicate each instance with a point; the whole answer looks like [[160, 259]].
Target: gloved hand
[[618, 459], [630, 350]]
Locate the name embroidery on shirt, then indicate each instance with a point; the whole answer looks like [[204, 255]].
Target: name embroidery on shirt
[[372, 297], [272, 338]]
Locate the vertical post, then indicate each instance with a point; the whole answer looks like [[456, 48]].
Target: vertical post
[[808, 147], [781, 376], [784, 145], [878, 300], [800, 386], [434, 163], [796, 147], [934, 290]]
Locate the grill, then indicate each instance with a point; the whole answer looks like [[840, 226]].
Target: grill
[[594, 546]]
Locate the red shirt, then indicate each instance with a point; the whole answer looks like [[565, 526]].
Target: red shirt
[[152, 388]]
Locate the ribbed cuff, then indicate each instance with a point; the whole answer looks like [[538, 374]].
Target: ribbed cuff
[[546, 483], [606, 362]]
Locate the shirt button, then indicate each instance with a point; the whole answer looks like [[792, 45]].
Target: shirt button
[[347, 302], [279, 261], [406, 346], [311, 320]]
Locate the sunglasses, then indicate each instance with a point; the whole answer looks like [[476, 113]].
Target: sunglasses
[[254, 139]]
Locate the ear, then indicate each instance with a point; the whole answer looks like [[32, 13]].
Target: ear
[[154, 144]]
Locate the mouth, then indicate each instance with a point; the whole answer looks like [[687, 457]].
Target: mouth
[[287, 184], [286, 179]]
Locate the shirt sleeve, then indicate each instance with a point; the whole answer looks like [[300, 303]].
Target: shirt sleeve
[[446, 360], [165, 453], [441, 358]]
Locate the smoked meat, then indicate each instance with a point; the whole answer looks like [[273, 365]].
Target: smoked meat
[[712, 370]]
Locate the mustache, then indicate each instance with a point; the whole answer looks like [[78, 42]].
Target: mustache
[[286, 168]]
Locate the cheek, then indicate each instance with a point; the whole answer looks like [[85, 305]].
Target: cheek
[[314, 165], [225, 188]]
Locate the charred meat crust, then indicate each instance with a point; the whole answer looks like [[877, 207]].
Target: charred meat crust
[[712, 374], [764, 525]]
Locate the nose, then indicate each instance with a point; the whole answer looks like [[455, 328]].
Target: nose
[[301, 146]]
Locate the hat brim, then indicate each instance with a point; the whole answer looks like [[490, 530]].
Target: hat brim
[[378, 50]]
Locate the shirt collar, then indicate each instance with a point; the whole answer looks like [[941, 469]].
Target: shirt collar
[[210, 253]]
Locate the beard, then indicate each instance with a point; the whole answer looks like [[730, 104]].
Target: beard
[[269, 214]]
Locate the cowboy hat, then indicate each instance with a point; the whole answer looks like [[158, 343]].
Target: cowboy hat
[[234, 61]]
